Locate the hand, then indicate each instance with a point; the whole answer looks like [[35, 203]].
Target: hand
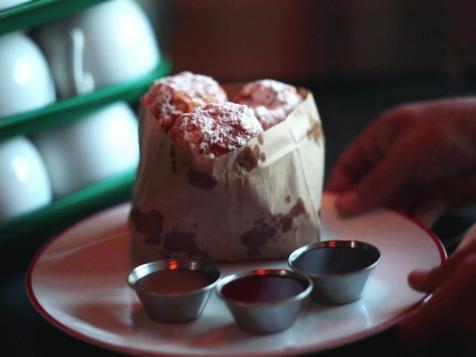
[[452, 308], [412, 158]]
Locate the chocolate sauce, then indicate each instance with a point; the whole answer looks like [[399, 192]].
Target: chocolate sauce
[[174, 281], [337, 260], [263, 288]]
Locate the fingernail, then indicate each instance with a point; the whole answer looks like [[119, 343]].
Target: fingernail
[[338, 182], [334, 183], [418, 279], [347, 202], [331, 186], [419, 273]]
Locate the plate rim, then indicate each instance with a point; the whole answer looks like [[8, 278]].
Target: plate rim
[[332, 343]]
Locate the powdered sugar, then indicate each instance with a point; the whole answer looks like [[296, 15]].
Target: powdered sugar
[[182, 93], [216, 129], [194, 111], [271, 100]]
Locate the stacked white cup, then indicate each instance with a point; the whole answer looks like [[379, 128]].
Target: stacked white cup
[[25, 79], [96, 146], [24, 184], [109, 43]]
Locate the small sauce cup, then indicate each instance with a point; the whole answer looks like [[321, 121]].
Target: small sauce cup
[[174, 290], [339, 269], [265, 301]]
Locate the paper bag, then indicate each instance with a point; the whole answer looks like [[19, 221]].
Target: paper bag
[[260, 201]]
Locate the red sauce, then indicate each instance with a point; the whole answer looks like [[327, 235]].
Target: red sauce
[[174, 281], [263, 288]]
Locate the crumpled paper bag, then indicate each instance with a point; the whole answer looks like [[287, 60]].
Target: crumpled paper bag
[[260, 201]]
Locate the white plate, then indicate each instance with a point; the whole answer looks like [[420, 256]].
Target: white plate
[[78, 283]]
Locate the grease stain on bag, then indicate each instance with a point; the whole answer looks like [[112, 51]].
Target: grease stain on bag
[[248, 157], [257, 237], [315, 131], [149, 224], [263, 232], [182, 242]]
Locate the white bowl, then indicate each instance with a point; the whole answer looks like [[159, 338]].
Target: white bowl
[[94, 147], [106, 44], [24, 183], [25, 79]]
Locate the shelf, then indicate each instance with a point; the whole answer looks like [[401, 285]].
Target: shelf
[[95, 196], [37, 12], [74, 205], [65, 110]]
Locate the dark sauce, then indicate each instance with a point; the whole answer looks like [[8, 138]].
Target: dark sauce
[[174, 281], [263, 288], [334, 260]]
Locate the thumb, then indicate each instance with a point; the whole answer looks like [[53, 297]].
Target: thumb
[[429, 280], [428, 209], [390, 174], [446, 310], [425, 323], [422, 325], [419, 280]]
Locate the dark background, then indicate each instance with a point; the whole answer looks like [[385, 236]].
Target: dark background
[[315, 39]]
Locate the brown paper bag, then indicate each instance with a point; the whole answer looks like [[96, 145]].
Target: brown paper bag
[[260, 201]]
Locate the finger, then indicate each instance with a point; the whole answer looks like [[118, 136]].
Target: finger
[[428, 281], [368, 149], [443, 311], [416, 331], [427, 209], [403, 199], [418, 280], [389, 176], [459, 190], [351, 165], [340, 179]]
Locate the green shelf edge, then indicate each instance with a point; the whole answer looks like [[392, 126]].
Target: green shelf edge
[[37, 12], [74, 205], [65, 110], [95, 196]]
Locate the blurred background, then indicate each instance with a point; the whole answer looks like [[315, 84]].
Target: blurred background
[[316, 39]]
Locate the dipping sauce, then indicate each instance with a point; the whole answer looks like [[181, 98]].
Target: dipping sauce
[[174, 281], [334, 260], [262, 288]]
